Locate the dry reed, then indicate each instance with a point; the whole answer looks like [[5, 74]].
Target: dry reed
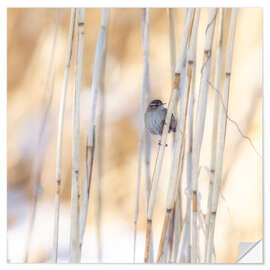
[[221, 137], [98, 74], [144, 101], [75, 188], [60, 136], [179, 146], [184, 245], [199, 126], [159, 159], [218, 70]]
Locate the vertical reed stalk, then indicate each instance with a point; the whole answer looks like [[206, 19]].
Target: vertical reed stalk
[[100, 176], [172, 59], [75, 189], [145, 88], [99, 58], [218, 71], [146, 83], [178, 216], [221, 136], [183, 242], [159, 159], [180, 130], [101, 141], [98, 72], [86, 188], [185, 245], [60, 136], [188, 190], [38, 160], [199, 126], [172, 226]]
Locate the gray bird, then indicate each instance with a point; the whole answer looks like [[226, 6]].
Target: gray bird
[[154, 118]]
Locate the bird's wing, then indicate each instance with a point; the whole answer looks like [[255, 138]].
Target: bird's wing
[[173, 121]]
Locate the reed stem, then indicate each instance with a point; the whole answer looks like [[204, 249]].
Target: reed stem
[[98, 76], [75, 188], [199, 126], [142, 132], [221, 136], [181, 127], [60, 136], [218, 71]]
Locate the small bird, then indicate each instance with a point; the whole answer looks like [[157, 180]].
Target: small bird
[[154, 118]]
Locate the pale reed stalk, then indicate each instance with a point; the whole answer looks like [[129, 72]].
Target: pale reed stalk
[[174, 228], [101, 141], [147, 134], [75, 188], [145, 88], [86, 188], [218, 71], [186, 247], [221, 136], [169, 237], [199, 126], [99, 57], [60, 136], [172, 59], [178, 215], [180, 130], [184, 244], [96, 80], [159, 159]]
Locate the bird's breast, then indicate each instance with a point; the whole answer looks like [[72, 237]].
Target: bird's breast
[[154, 121]]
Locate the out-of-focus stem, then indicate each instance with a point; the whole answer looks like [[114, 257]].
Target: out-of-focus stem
[[39, 157]]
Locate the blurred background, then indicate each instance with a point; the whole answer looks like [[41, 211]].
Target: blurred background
[[30, 38]]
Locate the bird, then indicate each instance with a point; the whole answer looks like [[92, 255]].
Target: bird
[[154, 118]]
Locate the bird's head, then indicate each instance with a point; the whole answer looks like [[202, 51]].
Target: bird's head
[[156, 103]]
